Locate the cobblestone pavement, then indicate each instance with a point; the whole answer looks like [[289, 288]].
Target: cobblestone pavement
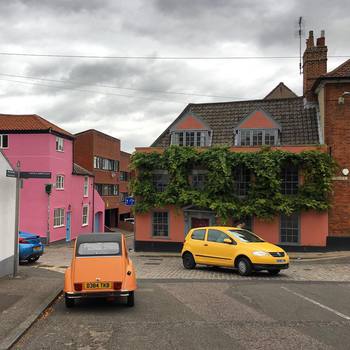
[[171, 268], [58, 257]]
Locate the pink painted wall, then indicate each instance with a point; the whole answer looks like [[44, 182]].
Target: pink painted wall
[[313, 228], [37, 152], [190, 122], [258, 120], [143, 226]]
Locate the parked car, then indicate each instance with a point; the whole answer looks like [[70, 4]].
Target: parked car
[[232, 247], [30, 247], [100, 267], [130, 220]]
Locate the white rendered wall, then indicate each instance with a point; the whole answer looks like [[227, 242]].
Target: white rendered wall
[[7, 218]]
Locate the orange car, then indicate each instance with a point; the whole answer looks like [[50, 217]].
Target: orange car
[[100, 268]]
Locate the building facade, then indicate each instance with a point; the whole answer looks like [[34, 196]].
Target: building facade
[[7, 218], [64, 205], [101, 155], [317, 121]]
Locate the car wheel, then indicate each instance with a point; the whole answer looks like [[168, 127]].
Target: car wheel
[[69, 302], [131, 299], [274, 272], [244, 267], [188, 261]]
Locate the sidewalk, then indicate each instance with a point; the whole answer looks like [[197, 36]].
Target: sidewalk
[[23, 299]]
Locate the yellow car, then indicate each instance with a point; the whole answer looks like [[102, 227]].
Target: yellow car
[[232, 247]]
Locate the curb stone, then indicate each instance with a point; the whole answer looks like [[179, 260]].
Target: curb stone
[[17, 333]]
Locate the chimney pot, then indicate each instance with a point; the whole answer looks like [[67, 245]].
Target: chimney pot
[[321, 41], [310, 40]]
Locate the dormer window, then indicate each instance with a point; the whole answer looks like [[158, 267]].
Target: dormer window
[[191, 138], [257, 137], [192, 131], [257, 129]]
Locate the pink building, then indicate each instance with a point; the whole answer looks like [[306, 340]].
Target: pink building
[[64, 205]]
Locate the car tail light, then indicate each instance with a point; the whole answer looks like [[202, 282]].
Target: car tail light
[[117, 285], [23, 240], [78, 287]]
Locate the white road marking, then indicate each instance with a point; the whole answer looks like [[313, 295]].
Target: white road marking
[[318, 304]]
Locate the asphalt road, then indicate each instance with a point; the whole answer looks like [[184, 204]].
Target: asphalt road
[[203, 315]]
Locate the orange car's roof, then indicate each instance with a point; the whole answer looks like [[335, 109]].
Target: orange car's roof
[[100, 237]]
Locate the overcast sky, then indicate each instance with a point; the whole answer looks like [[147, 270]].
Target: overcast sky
[[133, 104]]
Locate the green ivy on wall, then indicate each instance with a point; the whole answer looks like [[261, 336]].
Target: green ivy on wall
[[264, 199]]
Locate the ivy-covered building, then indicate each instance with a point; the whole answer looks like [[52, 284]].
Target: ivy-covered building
[[269, 163]]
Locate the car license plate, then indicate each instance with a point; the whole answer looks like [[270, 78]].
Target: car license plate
[[281, 260], [36, 249], [97, 285]]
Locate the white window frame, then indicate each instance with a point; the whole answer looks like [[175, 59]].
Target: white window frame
[[85, 217], [59, 144], [86, 186], [238, 138], [205, 137], [58, 215], [2, 141], [60, 182]]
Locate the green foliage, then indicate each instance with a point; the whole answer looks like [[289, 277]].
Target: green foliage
[[264, 198]]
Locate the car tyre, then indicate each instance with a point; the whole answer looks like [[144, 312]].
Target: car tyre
[[274, 272], [244, 267], [188, 261], [69, 302], [33, 259], [131, 299]]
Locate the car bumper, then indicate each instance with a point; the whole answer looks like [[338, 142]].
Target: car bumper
[[270, 267], [28, 253], [83, 295]]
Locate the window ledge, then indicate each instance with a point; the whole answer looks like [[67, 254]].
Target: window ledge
[[59, 189], [83, 225], [161, 237], [59, 226]]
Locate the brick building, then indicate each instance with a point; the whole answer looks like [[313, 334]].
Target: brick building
[[330, 93], [100, 154], [318, 120]]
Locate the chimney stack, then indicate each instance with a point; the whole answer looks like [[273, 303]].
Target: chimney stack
[[314, 63]]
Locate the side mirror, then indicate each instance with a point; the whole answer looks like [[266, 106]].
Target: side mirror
[[227, 241]]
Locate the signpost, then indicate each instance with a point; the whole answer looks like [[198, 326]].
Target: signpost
[[130, 201], [18, 175]]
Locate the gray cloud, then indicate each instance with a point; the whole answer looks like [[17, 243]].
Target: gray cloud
[[155, 27]]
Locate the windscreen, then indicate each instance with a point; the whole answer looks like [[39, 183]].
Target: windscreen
[[98, 249], [245, 236]]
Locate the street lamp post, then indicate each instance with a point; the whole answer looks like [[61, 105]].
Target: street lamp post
[[15, 257]]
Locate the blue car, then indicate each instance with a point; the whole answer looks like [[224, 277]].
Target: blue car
[[30, 247]]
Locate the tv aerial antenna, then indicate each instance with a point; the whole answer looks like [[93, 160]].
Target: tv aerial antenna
[[301, 33]]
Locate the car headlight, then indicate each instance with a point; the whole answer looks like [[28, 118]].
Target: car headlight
[[260, 253]]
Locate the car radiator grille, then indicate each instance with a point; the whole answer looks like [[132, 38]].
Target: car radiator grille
[[277, 254]]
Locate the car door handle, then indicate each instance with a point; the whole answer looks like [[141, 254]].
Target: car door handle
[[205, 245]]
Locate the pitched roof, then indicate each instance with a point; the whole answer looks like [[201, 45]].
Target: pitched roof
[[342, 71], [79, 170], [94, 131], [298, 124], [280, 91], [29, 122]]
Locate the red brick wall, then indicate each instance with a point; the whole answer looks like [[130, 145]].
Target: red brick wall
[[337, 137], [83, 148], [314, 64]]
